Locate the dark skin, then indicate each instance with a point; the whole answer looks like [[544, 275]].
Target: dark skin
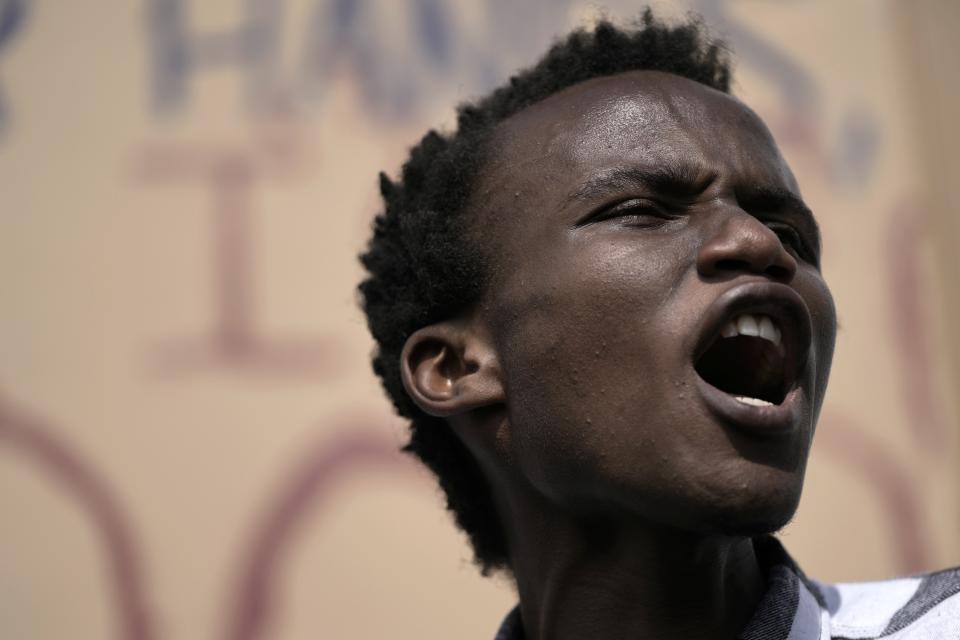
[[625, 219]]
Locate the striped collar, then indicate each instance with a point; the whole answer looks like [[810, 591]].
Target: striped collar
[[925, 607]]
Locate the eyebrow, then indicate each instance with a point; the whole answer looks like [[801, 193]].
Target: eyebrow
[[676, 180]]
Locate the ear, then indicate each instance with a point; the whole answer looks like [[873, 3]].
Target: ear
[[449, 369]]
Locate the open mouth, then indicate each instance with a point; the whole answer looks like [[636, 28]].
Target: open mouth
[[751, 355], [748, 361]]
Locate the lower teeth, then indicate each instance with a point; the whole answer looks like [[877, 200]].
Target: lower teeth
[[753, 402]]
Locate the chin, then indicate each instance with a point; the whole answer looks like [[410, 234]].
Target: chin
[[743, 500], [759, 515]]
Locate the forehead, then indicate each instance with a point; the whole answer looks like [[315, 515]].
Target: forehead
[[642, 118]]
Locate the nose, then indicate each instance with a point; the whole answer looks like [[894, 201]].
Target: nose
[[741, 243]]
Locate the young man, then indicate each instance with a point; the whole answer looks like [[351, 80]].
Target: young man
[[599, 302]]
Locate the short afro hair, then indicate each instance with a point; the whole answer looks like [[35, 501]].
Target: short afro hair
[[423, 267]]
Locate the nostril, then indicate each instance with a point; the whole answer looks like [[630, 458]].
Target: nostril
[[732, 265], [779, 273], [729, 264]]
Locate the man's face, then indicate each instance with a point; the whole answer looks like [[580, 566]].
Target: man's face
[[638, 226]]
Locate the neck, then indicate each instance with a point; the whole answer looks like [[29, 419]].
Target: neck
[[578, 578]]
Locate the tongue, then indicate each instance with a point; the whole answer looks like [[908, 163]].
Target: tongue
[[744, 366]]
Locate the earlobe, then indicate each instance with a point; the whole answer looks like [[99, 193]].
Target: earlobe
[[447, 370]]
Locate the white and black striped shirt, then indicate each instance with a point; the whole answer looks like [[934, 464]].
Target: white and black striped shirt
[[924, 607]]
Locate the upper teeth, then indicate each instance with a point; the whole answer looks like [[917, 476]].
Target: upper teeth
[[747, 324]]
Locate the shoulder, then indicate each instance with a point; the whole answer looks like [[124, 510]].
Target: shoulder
[[917, 607]]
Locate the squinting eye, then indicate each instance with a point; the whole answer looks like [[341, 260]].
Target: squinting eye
[[791, 238], [636, 212]]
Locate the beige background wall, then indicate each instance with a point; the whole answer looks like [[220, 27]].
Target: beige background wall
[[191, 442]]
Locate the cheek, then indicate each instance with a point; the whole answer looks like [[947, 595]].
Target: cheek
[[579, 317], [584, 371], [827, 325], [824, 316]]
